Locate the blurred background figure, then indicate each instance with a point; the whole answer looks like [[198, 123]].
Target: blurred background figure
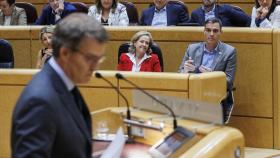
[[140, 56], [54, 12], [45, 53], [266, 14], [109, 12], [164, 13], [10, 14]]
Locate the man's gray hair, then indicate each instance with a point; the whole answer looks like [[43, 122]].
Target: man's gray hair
[[71, 31]]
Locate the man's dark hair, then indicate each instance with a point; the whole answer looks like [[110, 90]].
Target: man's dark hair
[[271, 9], [99, 5], [71, 31], [214, 20], [10, 2]]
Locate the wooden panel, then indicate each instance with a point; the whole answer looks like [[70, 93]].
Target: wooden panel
[[99, 98], [258, 132], [22, 56], [207, 87], [8, 97], [149, 80], [128, 93], [253, 80], [276, 85]]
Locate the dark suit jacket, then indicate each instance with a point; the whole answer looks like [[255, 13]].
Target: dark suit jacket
[[151, 64], [48, 18], [175, 14], [47, 122], [225, 61], [229, 15]]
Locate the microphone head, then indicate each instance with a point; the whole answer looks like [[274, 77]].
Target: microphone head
[[119, 76], [98, 75]]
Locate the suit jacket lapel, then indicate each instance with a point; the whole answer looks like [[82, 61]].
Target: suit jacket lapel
[[13, 17], [219, 55], [151, 15], [199, 55], [69, 102]]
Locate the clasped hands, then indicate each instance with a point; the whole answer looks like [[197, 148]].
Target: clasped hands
[[262, 12], [189, 67]]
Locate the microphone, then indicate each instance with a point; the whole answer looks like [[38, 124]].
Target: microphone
[[128, 115], [120, 76]]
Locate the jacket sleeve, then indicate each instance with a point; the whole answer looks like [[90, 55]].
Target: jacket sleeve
[[231, 68], [142, 19], [42, 19], [33, 130], [185, 58], [183, 15], [156, 63], [239, 17]]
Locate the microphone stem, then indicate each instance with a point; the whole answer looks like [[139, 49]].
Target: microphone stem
[[148, 94], [128, 115]]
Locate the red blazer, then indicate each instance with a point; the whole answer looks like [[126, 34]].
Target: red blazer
[[151, 64]]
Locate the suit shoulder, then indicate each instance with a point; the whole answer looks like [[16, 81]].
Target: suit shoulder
[[69, 6], [228, 47], [195, 45], [148, 10], [19, 10]]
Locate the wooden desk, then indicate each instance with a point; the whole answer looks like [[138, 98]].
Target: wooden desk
[[99, 95]]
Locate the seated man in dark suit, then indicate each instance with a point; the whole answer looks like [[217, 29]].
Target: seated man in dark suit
[[51, 118], [212, 55], [229, 15], [54, 11], [164, 14]]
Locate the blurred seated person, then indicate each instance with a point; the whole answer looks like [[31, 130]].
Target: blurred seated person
[[109, 12], [140, 56], [46, 52], [55, 11], [10, 14], [266, 14], [212, 55], [229, 15], [163, 13]]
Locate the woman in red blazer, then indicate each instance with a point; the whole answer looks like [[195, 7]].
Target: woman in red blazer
[[139, 56]]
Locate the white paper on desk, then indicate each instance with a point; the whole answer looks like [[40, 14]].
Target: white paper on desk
[[115, 148]]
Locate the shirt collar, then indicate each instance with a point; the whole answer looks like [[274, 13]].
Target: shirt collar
[[66, 80], [133, 57], [214, 51], [213, 9], [161, 10]]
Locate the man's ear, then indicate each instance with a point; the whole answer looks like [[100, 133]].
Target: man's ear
[[64, 53]]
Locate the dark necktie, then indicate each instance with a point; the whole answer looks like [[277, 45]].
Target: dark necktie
[[81, 106], [78, 98]]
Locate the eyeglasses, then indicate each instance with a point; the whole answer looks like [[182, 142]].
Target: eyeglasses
[[92, 59], [208, 30]]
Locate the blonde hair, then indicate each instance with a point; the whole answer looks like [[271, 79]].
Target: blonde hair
[[136, 37], [46, 29]]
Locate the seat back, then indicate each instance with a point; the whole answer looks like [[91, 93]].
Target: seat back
[[30, 10], [131, 12], [6, 54], [155, 49], [81, 7]]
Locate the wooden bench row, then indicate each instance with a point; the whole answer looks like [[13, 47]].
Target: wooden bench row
[[246, 5], [256, 111]]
